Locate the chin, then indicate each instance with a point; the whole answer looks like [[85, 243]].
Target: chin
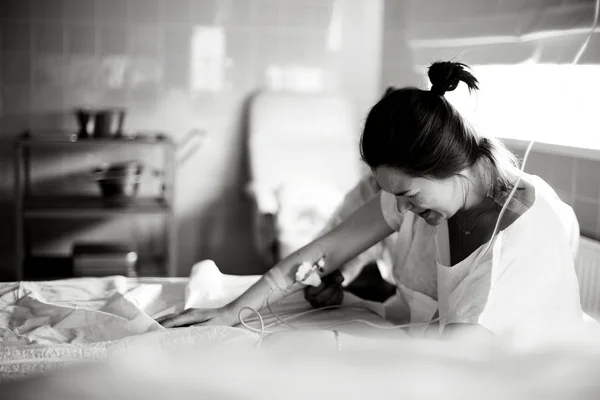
[[435, 219]]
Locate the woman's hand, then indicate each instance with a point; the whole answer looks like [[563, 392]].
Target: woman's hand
[[199, 316], [329, 293]]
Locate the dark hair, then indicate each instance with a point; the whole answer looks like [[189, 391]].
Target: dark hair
[[420, 133]]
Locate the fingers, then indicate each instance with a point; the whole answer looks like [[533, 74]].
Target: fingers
[[337, 277], [160, 320], [334, 299], [184, 318], [337, 299], [312, 291], [327, 294]]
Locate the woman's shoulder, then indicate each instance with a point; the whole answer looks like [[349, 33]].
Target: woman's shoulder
[[521, 201], [546, 199], [533, 193], [544, 216]]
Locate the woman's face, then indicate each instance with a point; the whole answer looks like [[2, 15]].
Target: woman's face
[[432, 200]]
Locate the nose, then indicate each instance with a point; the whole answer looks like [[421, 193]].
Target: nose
[[402, 204]]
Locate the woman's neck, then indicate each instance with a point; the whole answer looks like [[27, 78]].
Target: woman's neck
[[478, 187]]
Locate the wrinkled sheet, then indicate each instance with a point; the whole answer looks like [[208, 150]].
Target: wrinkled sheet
[[308, 364], [86, 310], [209, 288], [142, 360], [49, 324], [45, 325]]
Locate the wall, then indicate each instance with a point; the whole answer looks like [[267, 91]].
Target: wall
[[577, 182], [60, 54], [397, 66]]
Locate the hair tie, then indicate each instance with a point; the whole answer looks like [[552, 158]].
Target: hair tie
[[448, 87], [434, 89]]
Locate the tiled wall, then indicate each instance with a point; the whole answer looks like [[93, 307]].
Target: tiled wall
[[60, 54], [397, 67]]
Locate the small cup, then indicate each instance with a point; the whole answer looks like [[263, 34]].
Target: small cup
[[85, 118]]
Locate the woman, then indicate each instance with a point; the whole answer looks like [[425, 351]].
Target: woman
[[443, 187]]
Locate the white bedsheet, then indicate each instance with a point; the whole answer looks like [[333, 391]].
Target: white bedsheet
[[308, 365], [44, 325], [79, 310], [147, 361]]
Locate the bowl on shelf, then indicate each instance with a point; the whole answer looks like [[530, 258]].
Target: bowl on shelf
[[119, 182]]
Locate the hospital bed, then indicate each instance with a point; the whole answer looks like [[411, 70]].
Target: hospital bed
[[54, 335], [50, 324], [104, 344]]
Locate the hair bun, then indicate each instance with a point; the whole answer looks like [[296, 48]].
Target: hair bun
[[389, 90], [445, 77]]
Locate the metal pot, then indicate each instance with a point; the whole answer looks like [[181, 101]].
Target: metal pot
[[119, 182], [109, 122], [100, 123]]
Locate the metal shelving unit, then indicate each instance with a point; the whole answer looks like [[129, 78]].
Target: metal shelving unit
[[29, 207], [71, 206]]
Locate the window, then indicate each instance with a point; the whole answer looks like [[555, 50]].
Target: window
[[548, 103]]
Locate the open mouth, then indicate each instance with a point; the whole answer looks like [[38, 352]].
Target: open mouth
[[425, 214]]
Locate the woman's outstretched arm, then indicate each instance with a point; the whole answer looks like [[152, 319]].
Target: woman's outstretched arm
[[358, 232]]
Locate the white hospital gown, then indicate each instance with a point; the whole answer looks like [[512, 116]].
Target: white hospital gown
[[526, 281]]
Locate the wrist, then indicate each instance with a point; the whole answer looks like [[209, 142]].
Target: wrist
[[229, 313]]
